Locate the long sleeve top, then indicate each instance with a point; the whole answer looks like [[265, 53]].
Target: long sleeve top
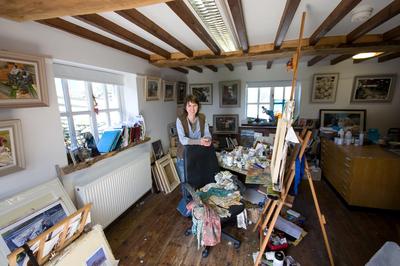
[[194, 134]]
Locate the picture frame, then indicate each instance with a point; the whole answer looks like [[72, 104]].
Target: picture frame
[[11, 147], [203, 92], [181, 91], [152, 88], [168, 91], [229, 93], [373, 88], [166, 173], [225, 124], [158, 151], [23, 80], [99, 257], [324, 87], [349, 119]]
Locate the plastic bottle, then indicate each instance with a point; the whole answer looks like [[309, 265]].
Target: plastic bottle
[[361, 138], [348, 137]]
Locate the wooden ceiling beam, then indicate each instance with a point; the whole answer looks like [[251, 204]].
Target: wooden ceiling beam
[[382, 16], [341, 58], [341, 10], [391, 34], [90, 35], [388, 56], [180, 69], [22, 10], [316, 59], [182, 11], [230, 67], [114, 29], [249, 65], [238, 18], [196, 68], [269, 64], [148, 25], [286, 20], [212, 68]]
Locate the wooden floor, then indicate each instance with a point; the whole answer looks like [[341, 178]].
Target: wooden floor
[[152, 233]]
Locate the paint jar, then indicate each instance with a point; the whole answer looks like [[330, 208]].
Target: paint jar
[[278, 258]]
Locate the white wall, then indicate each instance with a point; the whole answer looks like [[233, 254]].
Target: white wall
[[379, 115], [43, 140]]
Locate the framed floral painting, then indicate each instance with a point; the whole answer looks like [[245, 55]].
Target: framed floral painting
[[11, 147]]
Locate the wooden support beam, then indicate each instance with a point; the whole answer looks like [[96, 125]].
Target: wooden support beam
[[196, 68], [148, 25], [316, 59], [382, 16], [341, 10], [392, 34], [286, 19], [180, 9], [230, 67], [238, 18], [249, 65], [340, 58], [90, 35], [114, 29], [180, 69], [212, 68], [22, 10], [269, 64], [388, 56]]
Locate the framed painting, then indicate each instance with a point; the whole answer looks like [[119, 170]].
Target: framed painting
[[11, 147], [371, 89], [23, 81], [354, 120], [229, 93], [324, 88], [152, 88], [225, 124], [158, 151], [181, 91], [203, 92], [169, 91]]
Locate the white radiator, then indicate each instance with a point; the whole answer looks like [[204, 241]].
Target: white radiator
[[114, 192]]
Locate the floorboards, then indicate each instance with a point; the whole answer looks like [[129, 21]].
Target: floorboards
[[152, 233]]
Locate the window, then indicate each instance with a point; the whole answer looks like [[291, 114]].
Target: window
[[268, 96], [87, 107]]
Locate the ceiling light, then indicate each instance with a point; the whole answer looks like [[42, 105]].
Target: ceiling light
[[215, 17], [361, 13], [366, 55]]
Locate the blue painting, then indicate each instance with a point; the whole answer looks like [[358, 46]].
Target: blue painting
[[97, 259]]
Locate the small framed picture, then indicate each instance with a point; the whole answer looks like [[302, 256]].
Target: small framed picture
[[11, 147], [203, 92], [169, 91], [373, 89], [157, 149], [181, 91], [229, 93], [152, 88], [225, 124], [324, 88], [97, 258]]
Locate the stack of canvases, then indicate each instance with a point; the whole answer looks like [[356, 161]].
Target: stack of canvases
[[165, 175]]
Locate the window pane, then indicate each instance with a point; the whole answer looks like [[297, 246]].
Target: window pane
[[99, 93], [252, 110], [265, 95], [67, 134], [102, 122], [288, 90], [278, 93], [252, 95], [115, 118], [82, 125], [261, 113], [60, 95], [112, 94], [78, 95], [278, 108]]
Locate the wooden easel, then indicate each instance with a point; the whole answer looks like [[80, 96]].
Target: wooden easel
[[274, 207]]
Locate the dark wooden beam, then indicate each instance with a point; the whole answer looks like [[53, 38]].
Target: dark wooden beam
[[316, 59], [180, 69], [249, 65], [90, 35], [196, 68], [340, 58], [388, 56], [238, 18], [382, 16], [230, 67], [269, 64], [148, 25], [114, 29], [391, 34], [212, 68], [180, 9], [286, 19], [341, 10]]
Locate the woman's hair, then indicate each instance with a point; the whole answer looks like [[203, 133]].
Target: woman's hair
[[192, 99]]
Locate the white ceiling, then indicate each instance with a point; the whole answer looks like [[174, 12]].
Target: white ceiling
[[262, 18]]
